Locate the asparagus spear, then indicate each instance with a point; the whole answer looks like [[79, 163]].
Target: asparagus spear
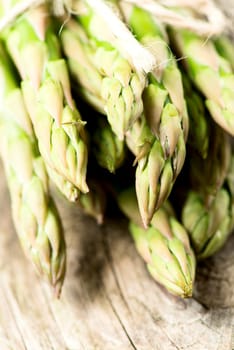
[[208, 226], [210, 72], [164, 104], [34, 47], [35, 217], [109, 151], [107, 79], [164, 246], [155, 173], [199, 124], [160, 146], [208, 175], [208, 211]]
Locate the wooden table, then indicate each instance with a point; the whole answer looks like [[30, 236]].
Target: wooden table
[[109, 302]]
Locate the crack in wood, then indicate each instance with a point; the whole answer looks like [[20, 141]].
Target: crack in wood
[[120, 322], [107, 251]]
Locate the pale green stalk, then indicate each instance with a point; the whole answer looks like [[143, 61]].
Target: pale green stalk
[[158, 138], [208, 226], [199, 123], [34, 48], [155, 173], [107, 79], [108, 149], [211, 73], [164, 246], [164, 103], [35, 217], [208, 175], [210, 220]]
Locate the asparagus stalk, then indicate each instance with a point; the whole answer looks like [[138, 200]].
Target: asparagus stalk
[[207, 176], [34, 48], [164, 246], [35, 217], [164, 104], [107, 79], [160, 146], [108, 149], [211, 73], [208, 210], [199, 125], [155, 173], [208, 226], [79, 51]]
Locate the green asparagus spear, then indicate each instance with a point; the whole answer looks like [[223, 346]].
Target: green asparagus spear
[[107, 148], [199, 128], [155, 173], [210, 219], [210, 72], [107, 79], [34, 47], [164, 246], [208, 175], [35, 217], [164, 104], [208, 226]]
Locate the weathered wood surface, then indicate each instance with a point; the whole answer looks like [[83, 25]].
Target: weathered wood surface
[[109, 302]]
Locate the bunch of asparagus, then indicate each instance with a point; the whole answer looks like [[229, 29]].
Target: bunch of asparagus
[[156, 141]]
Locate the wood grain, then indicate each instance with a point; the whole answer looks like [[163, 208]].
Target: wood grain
[[109, 302]]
